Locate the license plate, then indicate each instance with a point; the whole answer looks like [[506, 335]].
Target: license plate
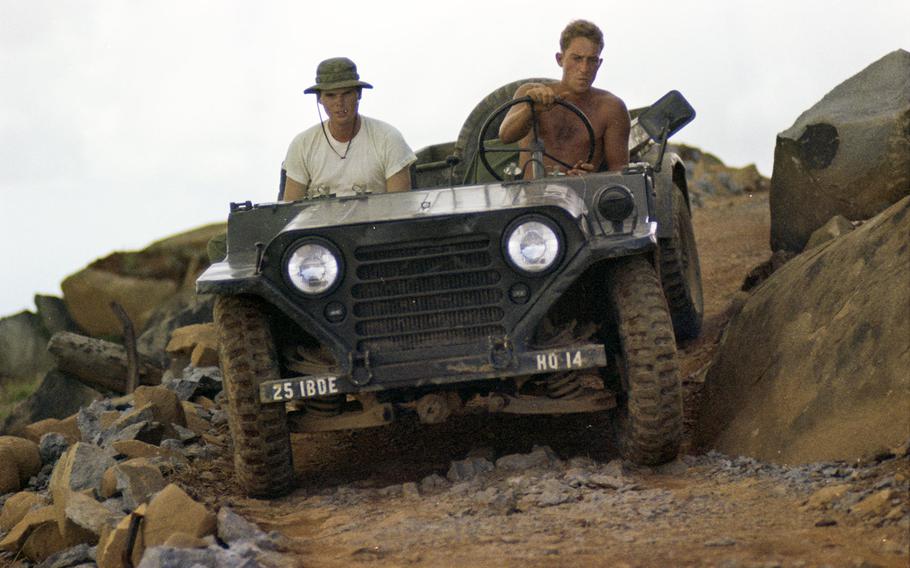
[[306, 387], [564, 359]]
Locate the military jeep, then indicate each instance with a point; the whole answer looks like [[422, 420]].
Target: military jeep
[[485, 289]]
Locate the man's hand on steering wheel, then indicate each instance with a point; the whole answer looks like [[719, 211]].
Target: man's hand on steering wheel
[[543, 97], [536, 148], [580, 168]]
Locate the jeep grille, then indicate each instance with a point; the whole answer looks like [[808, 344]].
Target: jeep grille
[[417, 295]]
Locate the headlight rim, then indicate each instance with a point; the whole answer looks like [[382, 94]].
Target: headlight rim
[[331, 247], [545, 220], [627, 193]]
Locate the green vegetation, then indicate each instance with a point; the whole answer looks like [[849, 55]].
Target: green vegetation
[[14, 391]]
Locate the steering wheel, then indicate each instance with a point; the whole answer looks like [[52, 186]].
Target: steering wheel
[[536, 148]]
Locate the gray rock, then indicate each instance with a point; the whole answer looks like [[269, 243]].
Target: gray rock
[[51, 447], [123, 423], [835, 227], [614, 469], [39, 482], [23, 342], [58, 396], [409, 490], [554, 492], [433, 483], [88, 464], [497, 502], [847, 155], [539, 457], [232, 528], [219, 418], [577, 477], [77, 555], [196, 381], [185, 435], [87, 513], [601, 481], [54, 316], [137, 483], [88, 420], [166, 557], [185, 308], [115, 505], [391, 491], [197, 452], [149, 432], [469, 468]]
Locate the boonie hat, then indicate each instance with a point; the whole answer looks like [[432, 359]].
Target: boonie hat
[[337, 73]]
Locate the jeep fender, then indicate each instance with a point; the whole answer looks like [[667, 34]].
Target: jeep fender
[[672, 173]]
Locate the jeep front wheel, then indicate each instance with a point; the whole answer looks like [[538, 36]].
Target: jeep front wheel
[[262, 444], [648, 420]]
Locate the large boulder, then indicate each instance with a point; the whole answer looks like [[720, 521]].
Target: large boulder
[[814, 367], [139, 281], [847, 155], [90, 292], [23, 341], [58, 396], [183, 309], [54, 315]]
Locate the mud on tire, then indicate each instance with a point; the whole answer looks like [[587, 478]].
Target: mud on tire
[[680, 273], [262, 446], [648, 421]]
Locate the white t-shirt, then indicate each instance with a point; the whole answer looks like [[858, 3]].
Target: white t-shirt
[[377, 152]]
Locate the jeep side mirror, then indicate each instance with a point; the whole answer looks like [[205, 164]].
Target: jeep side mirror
[[660, 121], [666, 116]]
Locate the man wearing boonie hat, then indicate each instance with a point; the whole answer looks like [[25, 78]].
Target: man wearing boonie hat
[[349, 153]]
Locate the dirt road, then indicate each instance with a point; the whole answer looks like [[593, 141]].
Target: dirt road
[[394, 497]]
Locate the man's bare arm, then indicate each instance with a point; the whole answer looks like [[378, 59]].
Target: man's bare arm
[[616, 137], [293, 191], [517, 122], [400, 181]]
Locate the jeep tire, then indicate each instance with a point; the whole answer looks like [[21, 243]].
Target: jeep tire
[[262, 443], [648, 420], [680, 273]]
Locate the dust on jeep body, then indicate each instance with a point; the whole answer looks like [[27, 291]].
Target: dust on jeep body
[[547, 296]]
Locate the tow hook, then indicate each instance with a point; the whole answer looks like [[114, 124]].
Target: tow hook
[[501, 355], [361, 372]]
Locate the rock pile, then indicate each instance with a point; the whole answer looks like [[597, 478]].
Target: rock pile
[[708, 176], [93, 488]]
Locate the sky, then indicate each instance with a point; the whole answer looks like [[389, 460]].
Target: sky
[[124, 122]]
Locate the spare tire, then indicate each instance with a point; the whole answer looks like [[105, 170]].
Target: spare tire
[[468, 137]]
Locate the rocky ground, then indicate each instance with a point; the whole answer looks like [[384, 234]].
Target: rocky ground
[[477, 490], [518, 491]]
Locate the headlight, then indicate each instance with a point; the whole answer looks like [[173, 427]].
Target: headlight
[[533, 246], [616, 203], [313, 268]]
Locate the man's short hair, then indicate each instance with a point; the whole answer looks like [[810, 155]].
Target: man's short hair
[[581, 28]]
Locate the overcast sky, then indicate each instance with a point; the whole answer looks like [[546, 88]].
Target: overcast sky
[[124, 122]]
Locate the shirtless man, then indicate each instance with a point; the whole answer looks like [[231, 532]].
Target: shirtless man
[[562, 133]]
